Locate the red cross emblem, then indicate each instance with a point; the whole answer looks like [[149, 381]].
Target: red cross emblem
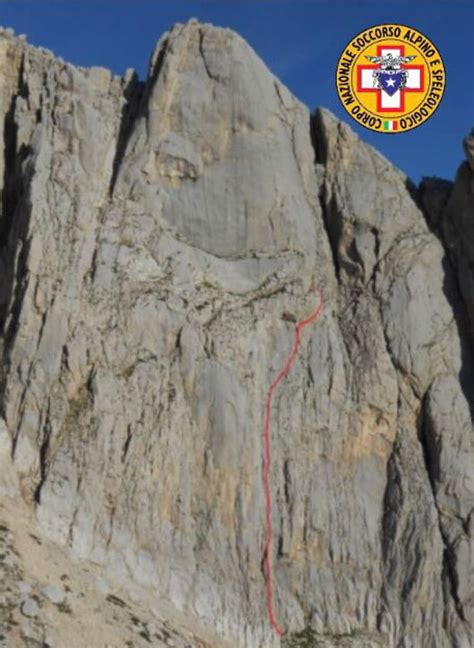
[[396, 102]]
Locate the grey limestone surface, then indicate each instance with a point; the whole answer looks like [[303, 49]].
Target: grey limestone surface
[[152, 234]]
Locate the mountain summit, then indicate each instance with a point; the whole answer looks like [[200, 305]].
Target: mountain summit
[[154, 237]]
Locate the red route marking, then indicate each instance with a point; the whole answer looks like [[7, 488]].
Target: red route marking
[[267, 549]]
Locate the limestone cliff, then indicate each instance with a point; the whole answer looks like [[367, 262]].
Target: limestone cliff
[[153, 237]]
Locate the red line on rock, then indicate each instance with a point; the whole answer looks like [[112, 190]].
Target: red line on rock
[[267, 549]]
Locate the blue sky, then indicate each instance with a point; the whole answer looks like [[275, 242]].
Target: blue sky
[[299, 40]]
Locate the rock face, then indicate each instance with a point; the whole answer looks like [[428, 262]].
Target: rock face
[[152, 237]]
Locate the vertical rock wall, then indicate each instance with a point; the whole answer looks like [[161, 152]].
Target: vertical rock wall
[[152, 237]]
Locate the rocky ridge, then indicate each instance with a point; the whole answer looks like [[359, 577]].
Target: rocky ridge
[[152, 237]]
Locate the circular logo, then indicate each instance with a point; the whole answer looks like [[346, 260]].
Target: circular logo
[[390, 78]]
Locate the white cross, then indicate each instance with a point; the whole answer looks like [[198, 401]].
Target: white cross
[[385, 102]]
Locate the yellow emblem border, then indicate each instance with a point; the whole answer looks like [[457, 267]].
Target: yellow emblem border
[[433, 65]]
